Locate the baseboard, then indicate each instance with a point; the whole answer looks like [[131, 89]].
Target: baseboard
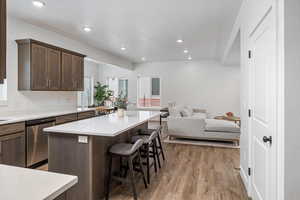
[[206, 143], [245, 180]]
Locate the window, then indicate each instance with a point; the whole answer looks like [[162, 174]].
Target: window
[[86, 97], [155, 86], [123, 87], [149, 92], [118, 86], [3, 92]]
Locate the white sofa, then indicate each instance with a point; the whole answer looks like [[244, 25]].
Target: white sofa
[[185, 122]]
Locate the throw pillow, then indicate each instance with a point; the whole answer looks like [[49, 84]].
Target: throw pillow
[[186, 113]]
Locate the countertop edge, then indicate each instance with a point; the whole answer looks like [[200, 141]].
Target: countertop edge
[[63, 189]]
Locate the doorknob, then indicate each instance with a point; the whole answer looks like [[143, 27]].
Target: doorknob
[[267, 139]]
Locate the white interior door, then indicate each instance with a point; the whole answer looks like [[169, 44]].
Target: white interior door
[[263, 106]]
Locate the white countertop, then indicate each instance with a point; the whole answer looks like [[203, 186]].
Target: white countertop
[[21, 183], [108, 125], [39, 115]]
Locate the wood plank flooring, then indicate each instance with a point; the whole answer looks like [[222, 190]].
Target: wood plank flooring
[[192, 173]]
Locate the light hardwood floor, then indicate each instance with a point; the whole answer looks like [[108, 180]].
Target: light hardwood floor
[[192, 173]]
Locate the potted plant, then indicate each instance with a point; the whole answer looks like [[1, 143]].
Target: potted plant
[[102, 93], [121, 103]]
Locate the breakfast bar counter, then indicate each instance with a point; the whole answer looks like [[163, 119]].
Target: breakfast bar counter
[[80, 148]]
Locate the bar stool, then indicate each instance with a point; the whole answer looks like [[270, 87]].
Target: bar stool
[[149, 150], [159, 145], [130, 152]]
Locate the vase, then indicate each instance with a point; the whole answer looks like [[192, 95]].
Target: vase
[[121, 112]]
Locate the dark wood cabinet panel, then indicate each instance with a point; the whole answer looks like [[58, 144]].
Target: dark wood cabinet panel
[[12, 128], [12, 149], [72, 72], [54, 69], [86, 115], [66, 118], [67, 72], [63, 196], [45, 67], [39, 72], [2, 40], [78, 72]]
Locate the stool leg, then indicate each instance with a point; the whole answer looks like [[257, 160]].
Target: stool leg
[[126, 168], [142, 169], [148, 163], [161, 148], [109, 178], [132, 178], [121, 167], [154, 156], [156, 152]]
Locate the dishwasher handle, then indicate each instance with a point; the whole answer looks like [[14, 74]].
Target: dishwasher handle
[[40, 121]]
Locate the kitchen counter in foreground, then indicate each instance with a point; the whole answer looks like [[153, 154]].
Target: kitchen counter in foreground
[[21, 183]]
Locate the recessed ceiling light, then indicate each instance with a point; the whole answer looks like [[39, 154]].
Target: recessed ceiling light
[[190, 58], [38, 4], [143, 59], [123, 48], [87, 29], [179, 41], [185, 51]]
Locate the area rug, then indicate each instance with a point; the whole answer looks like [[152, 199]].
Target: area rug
[[202, 143]]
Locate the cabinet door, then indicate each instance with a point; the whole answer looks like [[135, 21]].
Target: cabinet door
[[54, 69], [12, 149], [78, 72], [67, 72], [2, 40], [39, 72]]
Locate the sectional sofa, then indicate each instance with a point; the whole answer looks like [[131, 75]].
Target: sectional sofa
[[186, 122]]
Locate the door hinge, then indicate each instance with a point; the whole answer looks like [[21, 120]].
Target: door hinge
[[249, 171], [249, 54], [249, 113]]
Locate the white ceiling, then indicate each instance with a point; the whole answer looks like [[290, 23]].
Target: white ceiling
[[147, 28]]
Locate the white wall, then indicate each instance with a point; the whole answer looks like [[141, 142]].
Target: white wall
[[34, 101], [206, 84], [92, 69], [292, 99]]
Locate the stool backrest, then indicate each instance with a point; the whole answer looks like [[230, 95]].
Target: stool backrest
[[153, 135], [137, 145], [158, 129]]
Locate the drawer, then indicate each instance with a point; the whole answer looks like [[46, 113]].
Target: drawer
[[86, 115], [66, 118], [12, 128], [12, 149]]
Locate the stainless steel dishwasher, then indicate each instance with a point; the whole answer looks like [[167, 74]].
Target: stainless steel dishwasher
[[37, 141]]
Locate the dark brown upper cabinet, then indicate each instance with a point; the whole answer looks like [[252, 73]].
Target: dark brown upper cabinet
[[72, 72], [2, 40], [44, 67]]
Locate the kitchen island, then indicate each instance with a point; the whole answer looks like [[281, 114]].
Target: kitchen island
[[80, 148]]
